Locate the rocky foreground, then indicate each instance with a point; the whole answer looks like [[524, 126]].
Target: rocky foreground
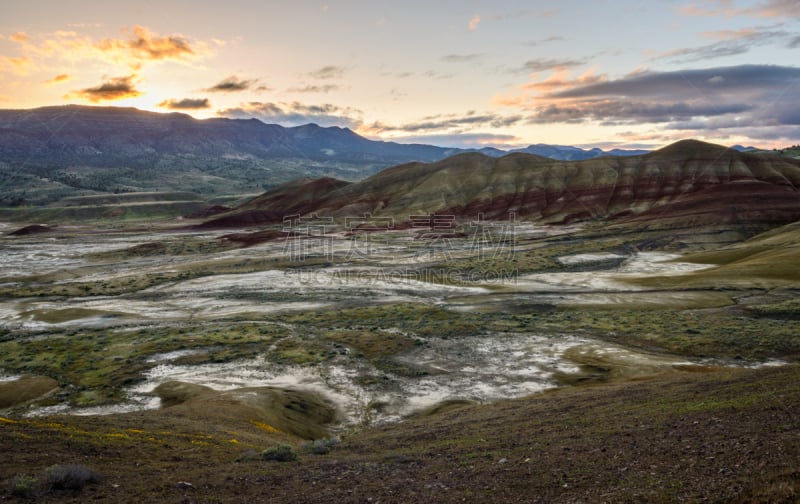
[[715, 435]]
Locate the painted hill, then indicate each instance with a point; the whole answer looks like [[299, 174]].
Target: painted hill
[[685, 184]]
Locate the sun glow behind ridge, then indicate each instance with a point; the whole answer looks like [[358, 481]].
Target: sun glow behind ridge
[[491, 75]]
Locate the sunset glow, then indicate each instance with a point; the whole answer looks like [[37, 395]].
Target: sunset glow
[[506, 74]]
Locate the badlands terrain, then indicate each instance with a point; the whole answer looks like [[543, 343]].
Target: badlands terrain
[[493, 329]]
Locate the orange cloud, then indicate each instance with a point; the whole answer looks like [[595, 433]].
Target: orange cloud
[[59, 79], [532, 93], [21, 65], [744, 33], [694, 10], [146, 45], [117, 88], [474, 22], [561, 79], [19, 37], [137, 47], [767, 9]]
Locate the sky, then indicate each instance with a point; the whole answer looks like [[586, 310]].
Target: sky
[[501, 73]]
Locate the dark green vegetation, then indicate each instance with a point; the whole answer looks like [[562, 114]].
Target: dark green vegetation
[[117, 208]]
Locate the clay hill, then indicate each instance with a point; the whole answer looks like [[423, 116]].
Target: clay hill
[[686, 184]]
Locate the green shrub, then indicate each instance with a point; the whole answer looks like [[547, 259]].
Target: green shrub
[[280, 453], [321, 446], [24, 486], [68, 477]]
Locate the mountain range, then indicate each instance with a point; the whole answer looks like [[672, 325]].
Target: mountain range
[[569, 153], [54, 152]]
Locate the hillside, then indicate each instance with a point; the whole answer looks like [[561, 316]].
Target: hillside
[[685, 184], [721, 436]]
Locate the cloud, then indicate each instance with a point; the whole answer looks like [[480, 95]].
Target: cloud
[[544, 64], [327, 88], [446, 122], [19, 65], [723, 99], [146, 45], [136, 48], [58, 79], [433, 74], [328, 72], [186, 104], [725, 8], [560, 78], [546, 40], [744, 33], [462, 140], [19, 37], [731, 43], [461, 58], [296, 114], [473, 23], [794, 43], [689, 83], [232, 84], [117, 88]]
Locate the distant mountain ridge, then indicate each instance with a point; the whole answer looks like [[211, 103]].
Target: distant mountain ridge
[[569, 153]]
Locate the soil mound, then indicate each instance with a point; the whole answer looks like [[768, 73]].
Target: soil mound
[[296, 412]]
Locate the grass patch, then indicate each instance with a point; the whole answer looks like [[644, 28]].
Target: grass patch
[[787, 309], [697, 333], [373, 343], [96, 364], [413, 318], [321, 446], [280, 453]]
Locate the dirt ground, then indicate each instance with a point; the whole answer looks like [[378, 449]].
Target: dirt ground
[[714, 435]]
